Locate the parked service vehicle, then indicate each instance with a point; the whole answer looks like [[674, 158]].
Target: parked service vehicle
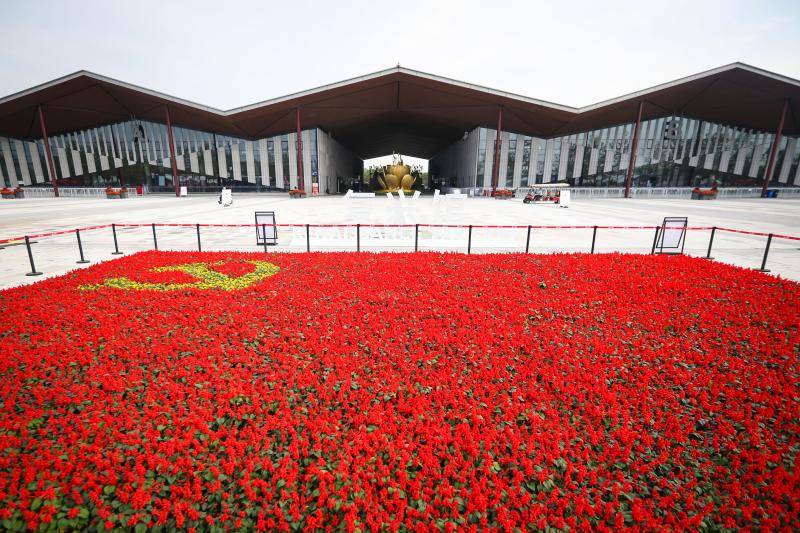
[[550, 193]]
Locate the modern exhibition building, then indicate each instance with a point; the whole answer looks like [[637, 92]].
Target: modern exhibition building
[[734, 125]]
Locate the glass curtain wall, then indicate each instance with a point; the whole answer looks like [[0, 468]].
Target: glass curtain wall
[[672, 152], [137, 153]]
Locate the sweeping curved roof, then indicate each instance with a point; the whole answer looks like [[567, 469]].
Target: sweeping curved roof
[[405, 110]]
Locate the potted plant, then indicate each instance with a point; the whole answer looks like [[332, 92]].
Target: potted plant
[[704, 194], [503, 194], [112, 193], [7, 193], [19, 192], [123, 192], [297, 193]]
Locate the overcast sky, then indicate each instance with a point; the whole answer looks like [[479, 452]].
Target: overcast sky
[[227, 53]]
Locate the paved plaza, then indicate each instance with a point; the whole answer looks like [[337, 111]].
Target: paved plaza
[[57, 255]]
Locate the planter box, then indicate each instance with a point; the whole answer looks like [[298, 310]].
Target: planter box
[[19, 194], [123, 194], [112, 196], [9, 196], [699, 196]]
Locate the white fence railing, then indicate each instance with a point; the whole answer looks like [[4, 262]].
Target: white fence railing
[[636, 192], [577, 192], [71, 192], [676, 192]]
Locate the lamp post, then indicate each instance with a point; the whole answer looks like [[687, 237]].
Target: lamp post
[[47, 151], [634, 147], [173, 160], [299, 152], [773, 152], [498, 143]]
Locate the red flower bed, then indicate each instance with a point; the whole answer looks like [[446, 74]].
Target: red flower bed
[[401, 390]]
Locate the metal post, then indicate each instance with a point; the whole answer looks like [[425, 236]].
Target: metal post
[[528, 241], [594, 237], [634, 147], [358, 237], [33, 271], [264, 233], [416, 238], [469, 240], [299, 152], [655, 238], [766, 253], [175, 179], [80, 247], [116, 248], [711, 242], [199, 249], [48, 153], [498, 143], [308, 238], [155, 239], [773, 152]]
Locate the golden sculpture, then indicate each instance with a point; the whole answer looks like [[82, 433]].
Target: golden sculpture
[[397, 176]]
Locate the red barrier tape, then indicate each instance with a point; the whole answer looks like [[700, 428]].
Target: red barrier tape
[[774, 235], [476, 226], [52, 233]]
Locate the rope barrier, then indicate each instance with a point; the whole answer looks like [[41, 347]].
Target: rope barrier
[[759, 234], [51, 233], [463, 226]]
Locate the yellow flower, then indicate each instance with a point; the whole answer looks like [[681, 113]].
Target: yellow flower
[[207, 277]]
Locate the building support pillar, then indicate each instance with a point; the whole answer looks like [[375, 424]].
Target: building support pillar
[[299, 152], [634, 148], [498, 145], [773, 153], [46, 140], [175, 179]]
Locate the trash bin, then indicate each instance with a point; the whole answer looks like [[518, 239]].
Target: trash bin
[[138, 190], [772, 193]]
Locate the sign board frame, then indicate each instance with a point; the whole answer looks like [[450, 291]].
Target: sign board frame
[[671, 236], [265, 228]]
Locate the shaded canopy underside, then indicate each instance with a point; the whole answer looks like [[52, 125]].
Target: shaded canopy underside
[[403, 110]]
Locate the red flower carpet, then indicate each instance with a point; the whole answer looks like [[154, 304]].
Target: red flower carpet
[[400, 391]]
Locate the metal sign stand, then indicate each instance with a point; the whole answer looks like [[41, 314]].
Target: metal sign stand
[[266, 231], [670, 236]]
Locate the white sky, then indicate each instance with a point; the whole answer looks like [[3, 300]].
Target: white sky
[[227, 53]]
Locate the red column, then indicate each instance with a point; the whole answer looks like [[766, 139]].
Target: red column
[[175, 179], [634, 147], [773, 152], [47, 152], [498, 144], [299, 152]]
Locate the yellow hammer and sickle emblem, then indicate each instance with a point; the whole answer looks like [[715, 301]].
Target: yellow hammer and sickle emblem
[[207, 278]]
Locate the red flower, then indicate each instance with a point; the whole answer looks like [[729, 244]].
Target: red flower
[[402, 391]]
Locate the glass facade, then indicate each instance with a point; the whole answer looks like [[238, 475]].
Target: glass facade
[[137, 153], [672, 152]]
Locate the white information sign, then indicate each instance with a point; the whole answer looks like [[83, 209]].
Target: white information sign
[[226, 197], [265, 228], [671, 235]]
